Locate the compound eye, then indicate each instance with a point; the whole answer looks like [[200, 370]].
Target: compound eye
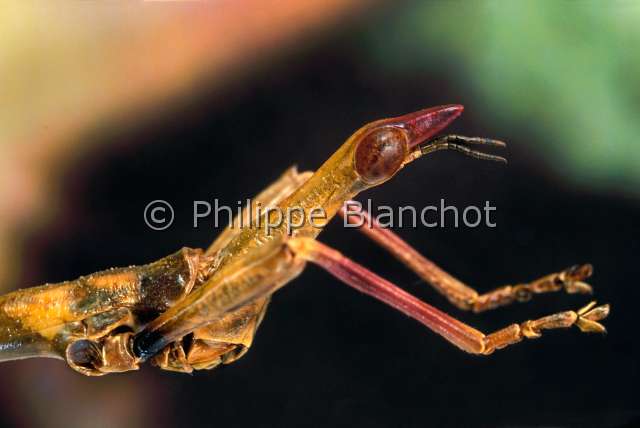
[[381, 154]]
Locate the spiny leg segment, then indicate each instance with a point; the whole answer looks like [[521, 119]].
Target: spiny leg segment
[[461, 295], [462, 335]]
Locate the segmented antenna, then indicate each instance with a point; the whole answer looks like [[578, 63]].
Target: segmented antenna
[[460, 144]]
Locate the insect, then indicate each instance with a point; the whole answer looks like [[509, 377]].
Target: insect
[[197, 309]]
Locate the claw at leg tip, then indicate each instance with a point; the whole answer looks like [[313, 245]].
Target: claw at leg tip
[[589, 316], [578, 287]]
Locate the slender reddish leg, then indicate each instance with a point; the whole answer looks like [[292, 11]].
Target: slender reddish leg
[[458, 293], [463, 336]]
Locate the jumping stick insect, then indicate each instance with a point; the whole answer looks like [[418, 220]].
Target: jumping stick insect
[[197, 309]]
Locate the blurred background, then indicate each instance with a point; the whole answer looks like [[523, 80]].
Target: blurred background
[[106, 106]]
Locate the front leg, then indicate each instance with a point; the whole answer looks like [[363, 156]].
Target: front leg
[[570, 280], [458, 333]]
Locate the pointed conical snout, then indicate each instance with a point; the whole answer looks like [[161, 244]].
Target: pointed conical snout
[[422, 125], [385, 146]]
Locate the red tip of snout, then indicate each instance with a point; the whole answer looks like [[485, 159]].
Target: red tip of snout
[[424, 124]]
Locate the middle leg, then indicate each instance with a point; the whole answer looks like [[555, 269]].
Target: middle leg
[[221, 342]]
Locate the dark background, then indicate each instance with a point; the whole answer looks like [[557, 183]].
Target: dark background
[[326, 355]]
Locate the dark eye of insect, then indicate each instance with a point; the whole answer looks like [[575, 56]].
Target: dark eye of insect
[[380, 154]]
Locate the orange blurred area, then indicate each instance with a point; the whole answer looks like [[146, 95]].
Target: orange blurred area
[[96, 65], [64, 70]]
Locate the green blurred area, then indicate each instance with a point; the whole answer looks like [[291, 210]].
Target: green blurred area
[[566, 70]]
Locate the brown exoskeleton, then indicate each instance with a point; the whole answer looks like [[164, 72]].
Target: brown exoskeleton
[[195, 310]]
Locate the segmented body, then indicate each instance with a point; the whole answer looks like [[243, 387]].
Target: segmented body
[[44, 321], [89, 321], [196, 310]]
